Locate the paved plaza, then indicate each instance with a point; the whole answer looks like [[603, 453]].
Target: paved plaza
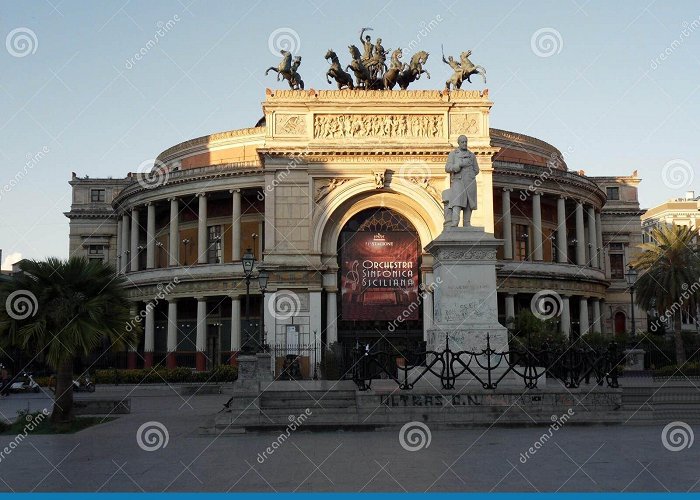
[[108, 457]]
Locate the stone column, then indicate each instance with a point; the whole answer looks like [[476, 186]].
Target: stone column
[[119, 246], [149, 340], [562, 244], [125, 242], [131, 354], [507, 225], [315, 329], [601, 305], [331, 318], [596, 316], [592, 237], [599, 239], [580, 236], [236, 226], [202, 236], [134, 256], [565, 316], [171, 361], [201, 332], [537, 225], [510, 309], [235, 328], [151, 236], [429, 283], [174, 236], [583, 316]]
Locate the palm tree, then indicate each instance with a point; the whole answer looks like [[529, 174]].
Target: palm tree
[[671, 276], [63, 310]]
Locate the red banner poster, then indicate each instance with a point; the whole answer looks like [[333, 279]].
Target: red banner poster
[[379, 276]]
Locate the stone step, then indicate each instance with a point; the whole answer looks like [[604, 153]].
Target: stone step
[[300, 404]]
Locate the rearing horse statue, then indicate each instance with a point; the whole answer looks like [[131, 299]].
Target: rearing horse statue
[[288, 70], [414, 70], [342, 78]]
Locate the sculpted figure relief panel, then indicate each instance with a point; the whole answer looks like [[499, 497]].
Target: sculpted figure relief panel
[[351, 125]]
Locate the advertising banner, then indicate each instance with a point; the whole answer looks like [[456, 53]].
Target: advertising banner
[[379, 276]]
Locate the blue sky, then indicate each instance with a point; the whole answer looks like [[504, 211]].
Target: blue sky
[[601, 94]]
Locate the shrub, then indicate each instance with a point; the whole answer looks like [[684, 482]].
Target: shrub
[[223, 373], [689, 369]]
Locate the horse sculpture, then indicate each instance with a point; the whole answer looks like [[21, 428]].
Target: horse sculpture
[[288, 70], [414, 70], [396, 66], [469, 68], [342, 78]]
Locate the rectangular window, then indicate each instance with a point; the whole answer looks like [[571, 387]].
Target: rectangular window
[[96, 249], [613, 193], [617, 266], [97, 195], [214, 253], [616, 247], [522, 236]]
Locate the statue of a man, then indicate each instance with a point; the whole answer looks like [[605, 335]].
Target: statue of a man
[[463, 169]]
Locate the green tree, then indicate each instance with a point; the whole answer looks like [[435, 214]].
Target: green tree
[[62, 310], [670, 276]]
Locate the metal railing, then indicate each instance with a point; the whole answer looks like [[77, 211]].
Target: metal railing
[[573, 364]]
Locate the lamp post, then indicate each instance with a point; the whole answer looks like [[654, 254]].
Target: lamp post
[[631, 276], [263, 277], [248, 261]]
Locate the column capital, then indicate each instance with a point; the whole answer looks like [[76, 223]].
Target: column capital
[[134, 209], [172, 299], [236, 190], [235, 296], [200, 298], [563, 197], [202, 195], [508, 189], [148, 204], [173, 198]]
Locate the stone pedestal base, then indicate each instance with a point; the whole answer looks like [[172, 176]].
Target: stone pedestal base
[[466, 308]]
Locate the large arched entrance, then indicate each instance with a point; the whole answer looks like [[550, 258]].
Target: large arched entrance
[[379, 260]]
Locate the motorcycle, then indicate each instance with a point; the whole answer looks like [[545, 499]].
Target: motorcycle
[[24, 383]]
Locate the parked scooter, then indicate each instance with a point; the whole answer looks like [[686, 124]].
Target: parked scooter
[[24, 383], [83, 384]]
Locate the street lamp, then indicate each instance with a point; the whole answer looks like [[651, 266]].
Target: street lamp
[[631, 276], [248, 261], [263, 278]]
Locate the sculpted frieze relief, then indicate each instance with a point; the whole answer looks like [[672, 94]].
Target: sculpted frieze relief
[[290, 124], [470, 254], [325, 186], [464, 124], [356, 125]]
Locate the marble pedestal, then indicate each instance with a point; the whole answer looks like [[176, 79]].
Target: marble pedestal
[[465, 300]]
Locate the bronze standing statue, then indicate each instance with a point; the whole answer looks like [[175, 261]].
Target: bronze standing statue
[[463, 169]]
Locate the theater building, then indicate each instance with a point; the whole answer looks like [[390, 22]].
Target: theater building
[[337, 194]]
